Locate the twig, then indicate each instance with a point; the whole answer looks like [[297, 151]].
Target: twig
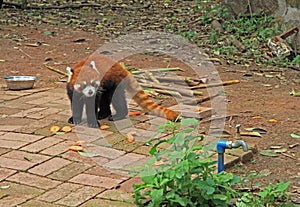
[[224, 83], [166, 92], [157, 70], [152, 77], [185, 92], [287, 155], [57, 70]]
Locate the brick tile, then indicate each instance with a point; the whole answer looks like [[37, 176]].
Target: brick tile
[[26, 138], [42, 100], [15, 164], [4, 173], [4, 150], [44, 113], [33, 180], [80, 196], [35, 203], [117, 195], [97, 133], [22, 155], [59, 192], [106, 203], [99, 170], [127, 186], [239, 152], [41, 144], [57, 149], [125, 161], [105, 151], [35, 125], [49, 166], [96, 181], [9, 128], [128, 146], [17, 194], [69, 171], [27, 112]]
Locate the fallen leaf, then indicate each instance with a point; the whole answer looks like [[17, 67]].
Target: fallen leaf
[[269, 76], [272, 120], [266, 85], [259, 130], [27, 158], [33, 44], [80, 143], [2, 61], [86, 154], [134, 113], [60, 133], [76, 148], [66, 129], [256, 117], [294, 93], [54, 129], [276, 147], [295, 136], [103, 127], [293, 145], [251, 134], [280, 150], [4, 186], [269, 153], [79, 40], [3, 116], [130, 137]]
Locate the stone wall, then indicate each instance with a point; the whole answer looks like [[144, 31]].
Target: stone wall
[[286, 12]]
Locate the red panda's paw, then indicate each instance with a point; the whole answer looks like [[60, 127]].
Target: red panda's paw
[[94, 124]]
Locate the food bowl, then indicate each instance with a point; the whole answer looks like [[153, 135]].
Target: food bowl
[[20, 82]]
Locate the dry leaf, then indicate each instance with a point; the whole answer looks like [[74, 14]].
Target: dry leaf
[[80, 143], [272, 120], [76, 148], [66, 129], [103, 127], [54, 129], [130, 137]]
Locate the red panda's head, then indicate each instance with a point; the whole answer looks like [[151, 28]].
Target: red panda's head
[[84, 78]]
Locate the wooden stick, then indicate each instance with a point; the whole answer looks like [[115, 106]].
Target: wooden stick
[[152, 77], [224, 83], [186, 92], [166, 92], [157, 70], [57, 70]]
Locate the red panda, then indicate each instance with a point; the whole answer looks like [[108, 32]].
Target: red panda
[[97, 81]]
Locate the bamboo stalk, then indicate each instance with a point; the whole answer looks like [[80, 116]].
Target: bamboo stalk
[[166, 92], [224, 83], [186, 92], [157, 70], [57, 70]]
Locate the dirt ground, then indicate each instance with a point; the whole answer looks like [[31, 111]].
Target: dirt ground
[[26, 51]]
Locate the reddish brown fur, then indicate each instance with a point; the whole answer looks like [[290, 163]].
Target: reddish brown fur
[[111, 70]]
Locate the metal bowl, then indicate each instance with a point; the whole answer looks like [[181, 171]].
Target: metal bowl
[[20, 82]]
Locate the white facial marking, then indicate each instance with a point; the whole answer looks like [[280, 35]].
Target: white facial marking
[[84, 82], [89, 91], [93, 66], [98, 82], [69, 70], [77, 86]]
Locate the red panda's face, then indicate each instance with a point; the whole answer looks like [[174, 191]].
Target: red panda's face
[[88, 89], [85, 78]]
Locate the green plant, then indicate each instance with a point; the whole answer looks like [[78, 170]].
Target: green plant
[[186, 174], [271, 195]]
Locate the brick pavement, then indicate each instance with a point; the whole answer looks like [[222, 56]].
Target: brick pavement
[[37, 169]]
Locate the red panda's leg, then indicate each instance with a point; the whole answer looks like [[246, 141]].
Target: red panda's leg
[[77, 102], [90, 103], [119, 103]]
